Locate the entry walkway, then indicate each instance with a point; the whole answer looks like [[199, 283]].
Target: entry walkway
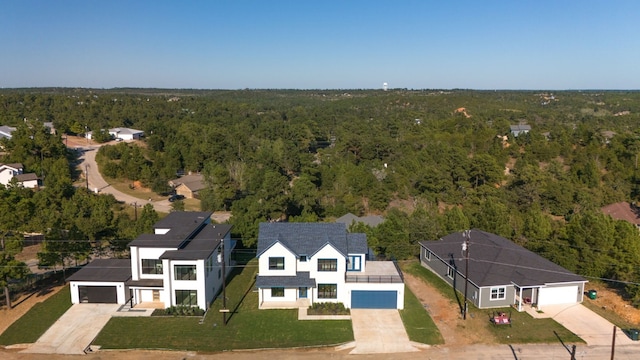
[[378, 331]]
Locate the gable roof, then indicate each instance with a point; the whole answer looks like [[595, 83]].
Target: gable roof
[[6, 131], [623, 211], [496, 261], [370, 220], [518, 128], [193, 182], [309, 238], [126, 131]]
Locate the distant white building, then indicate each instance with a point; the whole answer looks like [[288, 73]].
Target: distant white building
[[121, 133], [385, 86]]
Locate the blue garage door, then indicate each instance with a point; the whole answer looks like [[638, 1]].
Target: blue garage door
[[361, 299]]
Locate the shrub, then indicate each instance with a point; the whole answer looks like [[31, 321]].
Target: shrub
[[328, 308], [179, 311]]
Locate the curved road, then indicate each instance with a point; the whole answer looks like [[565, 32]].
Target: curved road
[[89, 167]]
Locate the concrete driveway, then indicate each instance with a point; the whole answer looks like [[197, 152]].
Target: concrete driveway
[[589, 326], [74, 330], [378, 331]]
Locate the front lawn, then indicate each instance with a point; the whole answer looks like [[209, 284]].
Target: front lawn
[[248, 327], [419, 325], [524, 329], [37, 320]]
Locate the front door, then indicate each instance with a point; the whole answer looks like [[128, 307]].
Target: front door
[[156, 295], [302, 293]]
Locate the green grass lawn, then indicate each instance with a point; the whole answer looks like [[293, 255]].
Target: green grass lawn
[[36, 321], [248, 327], [419, 325], [524, 329]]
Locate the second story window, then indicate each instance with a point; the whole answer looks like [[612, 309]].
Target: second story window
[[327, 264], [276, 263], [184, 272], [151, 266]]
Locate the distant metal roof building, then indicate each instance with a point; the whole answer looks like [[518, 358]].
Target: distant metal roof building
[[516, 130]]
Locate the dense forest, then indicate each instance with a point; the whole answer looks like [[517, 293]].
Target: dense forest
[[432, 162]]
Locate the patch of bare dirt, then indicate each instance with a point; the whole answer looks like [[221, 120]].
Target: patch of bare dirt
[[611, 301], [447, 316]]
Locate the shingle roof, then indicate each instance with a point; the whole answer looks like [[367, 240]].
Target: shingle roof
[[495, 260], [26, 177], [301, 279], [108, 270], [308, 238]]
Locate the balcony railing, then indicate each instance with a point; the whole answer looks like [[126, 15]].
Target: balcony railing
[[382, 279]]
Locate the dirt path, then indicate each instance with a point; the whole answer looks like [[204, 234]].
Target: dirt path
[[446, 315]]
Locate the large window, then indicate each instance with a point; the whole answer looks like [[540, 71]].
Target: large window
[[151, 266], [277, 292], [327, 264], [276, 263], [427, 255], [184, 272], [327, 291], [498, 293], [187, 297]]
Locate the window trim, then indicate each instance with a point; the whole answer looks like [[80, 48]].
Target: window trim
[[327, 291], [451, 272], [351, 266], [327, 265], [500, 293], [276, 291], [427, 254], [274, 264], [304, 258]]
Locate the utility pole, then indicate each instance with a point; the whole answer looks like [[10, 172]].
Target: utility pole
[[465, 248], [135, 209], [224, 309], [86, 174], [613, 343]]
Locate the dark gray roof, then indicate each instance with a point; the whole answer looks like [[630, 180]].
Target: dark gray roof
[[202, 245], [370, 220], [308, 238], [182, 224], [495, 261], [114, 270], [302, 279]]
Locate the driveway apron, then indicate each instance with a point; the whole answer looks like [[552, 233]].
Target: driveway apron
[[378, 331], [589, 326], [74, 330]]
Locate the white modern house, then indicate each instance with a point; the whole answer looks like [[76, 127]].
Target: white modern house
[[179, 264], [303, 263]]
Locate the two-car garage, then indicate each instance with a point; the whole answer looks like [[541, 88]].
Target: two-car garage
[[101, 281], [374, 299], [98, 294], [559, 295]]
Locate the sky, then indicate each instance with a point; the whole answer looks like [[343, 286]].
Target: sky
[[321, 44]]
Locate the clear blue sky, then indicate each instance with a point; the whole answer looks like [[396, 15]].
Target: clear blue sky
[[321, 44]]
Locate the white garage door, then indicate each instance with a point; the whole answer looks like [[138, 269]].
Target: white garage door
[[558, 295]]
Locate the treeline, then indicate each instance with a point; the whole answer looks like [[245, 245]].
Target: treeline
[[447, 156]]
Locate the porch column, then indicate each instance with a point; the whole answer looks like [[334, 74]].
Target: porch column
[[520, 299]]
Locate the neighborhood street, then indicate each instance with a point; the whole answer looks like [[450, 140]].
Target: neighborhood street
[[89, 168]]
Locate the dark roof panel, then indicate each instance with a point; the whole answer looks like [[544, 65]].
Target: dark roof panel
[[302, 279], [108, 270], [495, 260]]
